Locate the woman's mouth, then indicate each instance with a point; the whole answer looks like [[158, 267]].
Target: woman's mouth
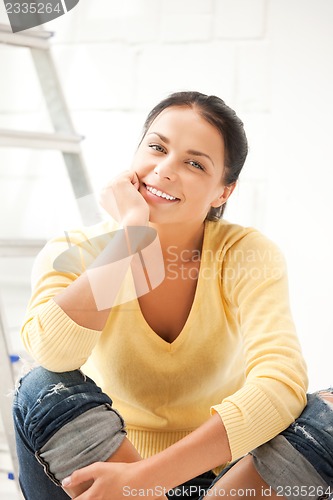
[[159, 193]]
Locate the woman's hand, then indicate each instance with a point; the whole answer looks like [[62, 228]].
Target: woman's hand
[[122, 200], [111, 481], [203, 449]]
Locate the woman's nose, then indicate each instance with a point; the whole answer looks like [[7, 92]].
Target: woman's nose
[[166, 168]]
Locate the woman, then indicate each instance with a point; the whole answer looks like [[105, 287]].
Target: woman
[[175, 314]]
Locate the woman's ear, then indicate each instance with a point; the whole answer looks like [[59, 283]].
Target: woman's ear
[[227, 190]]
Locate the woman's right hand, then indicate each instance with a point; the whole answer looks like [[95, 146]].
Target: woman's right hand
[[122, 200]]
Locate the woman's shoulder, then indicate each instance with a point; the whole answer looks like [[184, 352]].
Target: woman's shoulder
[[234, 239], [226, 233]]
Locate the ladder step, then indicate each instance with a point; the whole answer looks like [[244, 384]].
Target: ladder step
[[68, 143], [35, 39], [20, 248]]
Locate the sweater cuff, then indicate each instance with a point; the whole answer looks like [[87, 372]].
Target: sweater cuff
[[250, 419], [56, 341]]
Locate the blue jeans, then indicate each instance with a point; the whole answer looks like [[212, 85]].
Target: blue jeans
[[63, 422], [55, 417], [298, 463], [46, 402]]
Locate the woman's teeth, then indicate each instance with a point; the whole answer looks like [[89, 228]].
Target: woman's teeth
[[156, 192]]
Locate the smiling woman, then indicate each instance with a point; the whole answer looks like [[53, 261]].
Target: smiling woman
[[200, 366], [224, 120], [182, 156]]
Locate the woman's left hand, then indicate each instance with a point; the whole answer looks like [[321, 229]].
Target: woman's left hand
[[111, 481]]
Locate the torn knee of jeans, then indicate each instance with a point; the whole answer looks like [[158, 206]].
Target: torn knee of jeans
[[301, 428], [53, 389], [17, 386], [25, 368], [56, 388], [83, 375], [327, 397]]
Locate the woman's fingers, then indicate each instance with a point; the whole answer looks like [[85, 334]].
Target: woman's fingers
[[105, 480], [134, 179], [122, 200], [79, 476]]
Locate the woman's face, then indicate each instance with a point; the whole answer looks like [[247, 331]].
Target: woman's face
[[180, 165]]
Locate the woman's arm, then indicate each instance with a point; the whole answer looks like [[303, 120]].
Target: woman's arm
[[76, 281], [83, 300], [202, 450], [255, 287]]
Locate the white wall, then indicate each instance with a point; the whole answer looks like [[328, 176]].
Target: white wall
[[269, 59]]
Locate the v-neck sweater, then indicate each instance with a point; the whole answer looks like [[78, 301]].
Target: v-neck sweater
[[237, 354]]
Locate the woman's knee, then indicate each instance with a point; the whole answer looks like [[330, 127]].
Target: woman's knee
[[43, 396], [327, 395], [39, 382], [38, 378], [41, 386], [44, 400], [242, 480], [60, 416]]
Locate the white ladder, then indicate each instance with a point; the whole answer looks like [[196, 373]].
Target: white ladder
[[65, 140]]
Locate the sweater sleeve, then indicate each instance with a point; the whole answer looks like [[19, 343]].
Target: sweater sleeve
[[49, 335], [255, 286]]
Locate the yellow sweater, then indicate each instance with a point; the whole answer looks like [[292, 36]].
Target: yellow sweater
[[237, 354]]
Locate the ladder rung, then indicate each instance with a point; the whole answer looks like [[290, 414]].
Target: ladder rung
[[68, 143], [20, 248], [37, 39]]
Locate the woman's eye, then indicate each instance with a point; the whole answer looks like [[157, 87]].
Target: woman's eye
[[157, 147], [196, 165]]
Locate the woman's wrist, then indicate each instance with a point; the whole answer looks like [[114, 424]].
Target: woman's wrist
[[135, 219], [203, 449], [153, 474]]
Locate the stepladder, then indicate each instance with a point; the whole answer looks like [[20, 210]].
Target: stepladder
[[65, 140]]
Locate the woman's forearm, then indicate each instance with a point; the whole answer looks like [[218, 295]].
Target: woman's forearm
[[204, 449], [88, 300]]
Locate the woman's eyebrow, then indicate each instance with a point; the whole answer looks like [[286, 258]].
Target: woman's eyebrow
[[190, 151], [164, 139]]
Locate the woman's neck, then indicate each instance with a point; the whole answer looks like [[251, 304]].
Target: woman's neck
[[180, 236]]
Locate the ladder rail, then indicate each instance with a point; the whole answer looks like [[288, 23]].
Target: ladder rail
[[61, 120], [68, 142], [38, 43], [40, 140], [20, 247]]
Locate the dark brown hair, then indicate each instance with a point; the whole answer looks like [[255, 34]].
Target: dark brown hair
[[225, 120]]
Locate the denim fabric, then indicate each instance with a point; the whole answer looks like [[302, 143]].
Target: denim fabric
[[305, 447], [192, 489], [217, 478], [91, 437], [44, 403], [312, 435]]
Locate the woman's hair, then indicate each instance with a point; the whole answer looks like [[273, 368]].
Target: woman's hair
[[224, 119]]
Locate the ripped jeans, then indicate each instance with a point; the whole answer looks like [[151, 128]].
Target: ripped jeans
[[298, 463], [48, 409], [64, 422]]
